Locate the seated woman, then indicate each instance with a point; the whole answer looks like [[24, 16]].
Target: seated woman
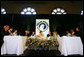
[[68, 33], [73, 33], [27, 33], [55, 35], [48, 35], [33, 34], [41, 35]]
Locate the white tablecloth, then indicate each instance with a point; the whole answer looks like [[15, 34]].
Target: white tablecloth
[[13, 45], [70, 45]]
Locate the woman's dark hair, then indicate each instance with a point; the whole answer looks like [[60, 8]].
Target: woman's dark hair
[[40, 31]]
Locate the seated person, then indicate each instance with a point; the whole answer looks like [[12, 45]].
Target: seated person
[[56, 35], [27, 33], [40, 35], [4, 32], [67, 33], [72, 33], [15, 33], [33, 34], [11, 31], [48, 35], [77, 32]]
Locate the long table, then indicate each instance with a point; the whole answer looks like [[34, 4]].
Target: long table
[[70, 45], [13, 45]]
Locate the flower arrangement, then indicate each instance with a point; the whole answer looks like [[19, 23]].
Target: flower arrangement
[[41, 42]]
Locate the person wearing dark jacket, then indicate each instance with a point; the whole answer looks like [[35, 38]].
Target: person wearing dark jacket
[[27, 33], [77, 33], [48, 35], [4, 32]]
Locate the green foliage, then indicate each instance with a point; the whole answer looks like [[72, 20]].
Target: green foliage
[[42, 43]]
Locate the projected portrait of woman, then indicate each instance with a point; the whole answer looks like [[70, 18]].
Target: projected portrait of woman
[[41, 27]]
